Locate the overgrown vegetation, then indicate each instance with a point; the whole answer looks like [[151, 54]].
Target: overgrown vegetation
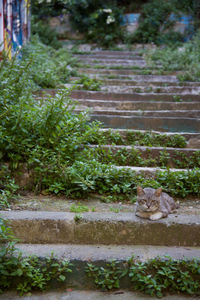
[[46, 34], [136, 138], [50, 143], [87, 83], [45, 66], [155, 277], [185, 58], [99, 20], [157, 20], [25, 274], [139, 157]]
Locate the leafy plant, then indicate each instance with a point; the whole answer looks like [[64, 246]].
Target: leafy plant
[[79, 208], [99, 21], [47, 35], [154, 277], [108, 277], [156, 23], [160, 275], [185, 58], [87, 83], [7, 186], [25, 274]]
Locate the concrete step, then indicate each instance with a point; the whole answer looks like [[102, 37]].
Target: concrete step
[[115, 56], [182, 155], [142, 105], [157, 113], [193, 139], [113, 53], [149, 171], [188, 90], [115, 96], [78, 294], [128, 72], [140, 83], [165, 124], [40, 227], [110, 60], [115, 64], [98, 253], [123, 132]]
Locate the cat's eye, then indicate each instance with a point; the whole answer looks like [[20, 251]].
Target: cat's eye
[[142, 201]]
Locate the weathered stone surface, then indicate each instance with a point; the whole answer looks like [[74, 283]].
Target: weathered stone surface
[[109, 228], [106, 253], [138, 105], [132, 96], [90, 295], [171, 124]]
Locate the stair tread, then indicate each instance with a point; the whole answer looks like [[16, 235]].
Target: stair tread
[[104, 252]]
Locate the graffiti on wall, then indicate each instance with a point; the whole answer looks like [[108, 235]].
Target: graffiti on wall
[[14, 24]]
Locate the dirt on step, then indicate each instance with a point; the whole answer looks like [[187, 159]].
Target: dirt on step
[[190, 206]]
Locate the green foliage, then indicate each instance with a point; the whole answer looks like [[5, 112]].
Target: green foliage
[[7, 186], [48, 68], [107, 278], [54, 143], [138, 138], [48, 8], [47, 35], [155, 23], [79, 208], [155, 277], [99, 21], [158, 276], [87, 83], [185, 58], [25, 274]]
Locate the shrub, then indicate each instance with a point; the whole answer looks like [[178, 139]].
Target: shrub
[[155, 22], [185, 58], [99, 21], [47, 35]]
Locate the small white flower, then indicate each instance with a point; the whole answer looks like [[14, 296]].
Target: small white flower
[[107, 10], [110, 19]]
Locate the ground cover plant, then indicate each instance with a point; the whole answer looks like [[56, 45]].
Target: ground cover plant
[[47, 141], [138, 138], [155, 277], [47, 67], [157, 20], [26, 274], [134, 157], [185, 58], [100, 21]]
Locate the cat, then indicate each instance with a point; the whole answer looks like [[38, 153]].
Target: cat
[[154, 204]]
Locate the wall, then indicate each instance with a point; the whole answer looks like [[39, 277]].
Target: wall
[[14, 24]]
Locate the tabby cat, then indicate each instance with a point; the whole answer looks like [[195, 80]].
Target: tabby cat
[[154, 204]]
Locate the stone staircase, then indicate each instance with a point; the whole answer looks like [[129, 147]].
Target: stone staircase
[[128, 102]]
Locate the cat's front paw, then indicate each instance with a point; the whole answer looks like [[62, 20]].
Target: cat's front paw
[[156, 216]]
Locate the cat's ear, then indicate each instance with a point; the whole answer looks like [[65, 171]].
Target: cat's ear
[[158, 192], [140, 191]]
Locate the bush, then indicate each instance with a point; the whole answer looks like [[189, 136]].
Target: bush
[[99, 21], [185, 58], [155, 22], [46, 34], [48, 68]]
